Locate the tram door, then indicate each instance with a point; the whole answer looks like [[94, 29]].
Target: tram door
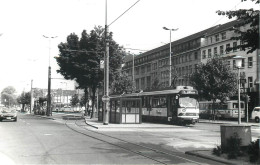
[[131, 111], [172, 107]]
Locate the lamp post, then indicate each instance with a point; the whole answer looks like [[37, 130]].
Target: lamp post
[[49, 78], [238, 65], [105, 98], [170, 76]]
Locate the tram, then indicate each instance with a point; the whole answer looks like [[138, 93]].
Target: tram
[[227, 110], [177, 106]]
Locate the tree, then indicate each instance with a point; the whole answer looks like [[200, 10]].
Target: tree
[[24, 99], [8, 96], [74, 100], [122, 84], [156, 84], [214, 80], [250, 37], [79, 59]]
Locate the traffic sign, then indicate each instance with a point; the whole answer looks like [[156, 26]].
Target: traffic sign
[[105, 98]]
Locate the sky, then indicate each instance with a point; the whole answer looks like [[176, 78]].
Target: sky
[[25, 54]]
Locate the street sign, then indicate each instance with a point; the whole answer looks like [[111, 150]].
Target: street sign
[[105, 98], [102, 64]]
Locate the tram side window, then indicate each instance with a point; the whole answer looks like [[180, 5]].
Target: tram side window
[[235, 105], [123, 106], [155, 102], [159, 102], [113, 106], [118, 106]]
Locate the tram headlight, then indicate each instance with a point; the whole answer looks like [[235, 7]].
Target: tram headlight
[[181, 114]]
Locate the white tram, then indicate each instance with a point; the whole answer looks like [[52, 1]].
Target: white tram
[[178, 105]]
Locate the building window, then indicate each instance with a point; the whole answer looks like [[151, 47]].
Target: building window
[[148, 81], [210, 39], [250, 82], [143, 69], [215, 51], [221, 50], [234, 64], [223, 35], [204, 54], [190, 69], [154, 66], [196, 55], [241, 43], [217, 37], [250, 62], [137, 83], [137, 70], [209, 53], [148, 67], [243, 63], [234, 46], [227, 48], [142, 83], [187, 70]]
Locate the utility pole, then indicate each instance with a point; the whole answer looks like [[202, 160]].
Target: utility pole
[[31, 103], [105, 98], [49, 78]]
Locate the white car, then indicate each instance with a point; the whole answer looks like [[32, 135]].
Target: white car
[[255, 115]]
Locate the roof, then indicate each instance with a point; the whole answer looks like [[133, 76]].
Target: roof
[[201, 34]]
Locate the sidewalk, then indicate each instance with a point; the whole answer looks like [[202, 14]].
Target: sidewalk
[[227, 122], [203, 153]]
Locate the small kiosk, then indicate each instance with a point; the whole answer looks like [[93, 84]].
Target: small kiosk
[[124, 111]]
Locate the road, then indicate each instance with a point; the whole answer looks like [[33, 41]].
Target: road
[[36, 140]]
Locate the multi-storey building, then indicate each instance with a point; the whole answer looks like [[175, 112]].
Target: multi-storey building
[[189, 52]]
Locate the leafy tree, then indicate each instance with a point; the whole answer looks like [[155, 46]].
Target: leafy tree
[[74, 100], [8, 96], [24, 99], [156, 83], [79, 59], [214, 80], [122, 84], [250, 37], [37, 93]]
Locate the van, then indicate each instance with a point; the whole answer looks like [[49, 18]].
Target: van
[[255, 115]]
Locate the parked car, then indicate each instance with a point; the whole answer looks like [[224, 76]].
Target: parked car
[[8, 114], [255, 115]]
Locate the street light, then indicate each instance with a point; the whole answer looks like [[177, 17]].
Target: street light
[[170, 77], [238, 65], [105, 98], [49, 77]]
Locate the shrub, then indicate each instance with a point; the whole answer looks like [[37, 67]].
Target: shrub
[[253, 151], [217, 151], [233, 147]]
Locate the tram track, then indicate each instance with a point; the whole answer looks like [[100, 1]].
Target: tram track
[[156, 155]]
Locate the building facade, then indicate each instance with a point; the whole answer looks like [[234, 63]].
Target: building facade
[[152, 67]]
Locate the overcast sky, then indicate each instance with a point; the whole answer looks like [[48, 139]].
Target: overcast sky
[[25, 52]]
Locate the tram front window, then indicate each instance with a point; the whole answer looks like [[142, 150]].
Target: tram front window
[[185, 102]]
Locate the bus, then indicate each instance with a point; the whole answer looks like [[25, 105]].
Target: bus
[[226, 110], [178, 106]]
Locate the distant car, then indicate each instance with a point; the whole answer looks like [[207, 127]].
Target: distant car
[[255, 115], [8, 114]]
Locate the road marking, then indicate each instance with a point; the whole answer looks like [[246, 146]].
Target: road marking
[[47, 134]]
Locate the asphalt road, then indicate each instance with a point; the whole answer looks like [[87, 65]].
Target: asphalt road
[[36, 140]]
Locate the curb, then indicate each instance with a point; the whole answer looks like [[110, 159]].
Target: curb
[[90, 124], [195, 153], [46, 117]]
